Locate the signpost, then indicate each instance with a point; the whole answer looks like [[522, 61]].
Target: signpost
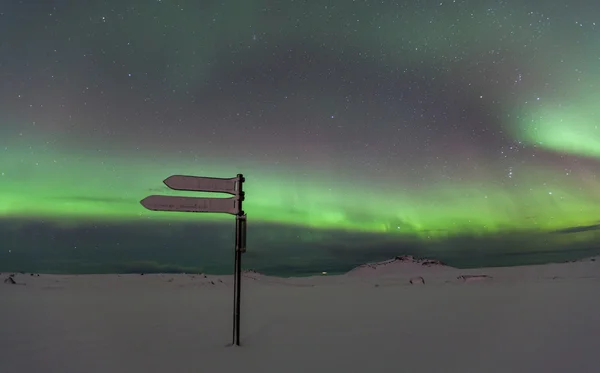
[[232, 205]]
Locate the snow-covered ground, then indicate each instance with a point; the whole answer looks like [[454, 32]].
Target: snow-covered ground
[[521, 319]]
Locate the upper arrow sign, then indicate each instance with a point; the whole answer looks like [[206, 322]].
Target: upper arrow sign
[[203, 184], [191, 204]]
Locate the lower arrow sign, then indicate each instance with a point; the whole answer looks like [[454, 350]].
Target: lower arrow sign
[[191, 204]]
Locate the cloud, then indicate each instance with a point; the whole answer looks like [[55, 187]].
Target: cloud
[[579, 228], [275, 249]]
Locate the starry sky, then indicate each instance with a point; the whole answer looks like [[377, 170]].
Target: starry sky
[[464, 130]]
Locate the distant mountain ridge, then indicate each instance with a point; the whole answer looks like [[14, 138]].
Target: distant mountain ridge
[[398, 265]]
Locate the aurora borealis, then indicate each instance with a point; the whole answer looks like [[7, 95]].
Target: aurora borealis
[[364, 128]]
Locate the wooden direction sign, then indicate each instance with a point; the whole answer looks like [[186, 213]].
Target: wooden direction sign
[[203, 184], [191, 204]]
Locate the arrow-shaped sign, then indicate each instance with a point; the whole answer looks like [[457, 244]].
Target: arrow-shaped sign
[[203, 184], [191, 204]]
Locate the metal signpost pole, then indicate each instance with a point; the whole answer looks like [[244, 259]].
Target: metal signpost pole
[[237, 283], [237, 277], [240, 249]]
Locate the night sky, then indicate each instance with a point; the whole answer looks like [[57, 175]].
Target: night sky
[[463, 130]]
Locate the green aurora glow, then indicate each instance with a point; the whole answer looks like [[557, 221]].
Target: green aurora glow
[[568, 126], [78, 189]]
